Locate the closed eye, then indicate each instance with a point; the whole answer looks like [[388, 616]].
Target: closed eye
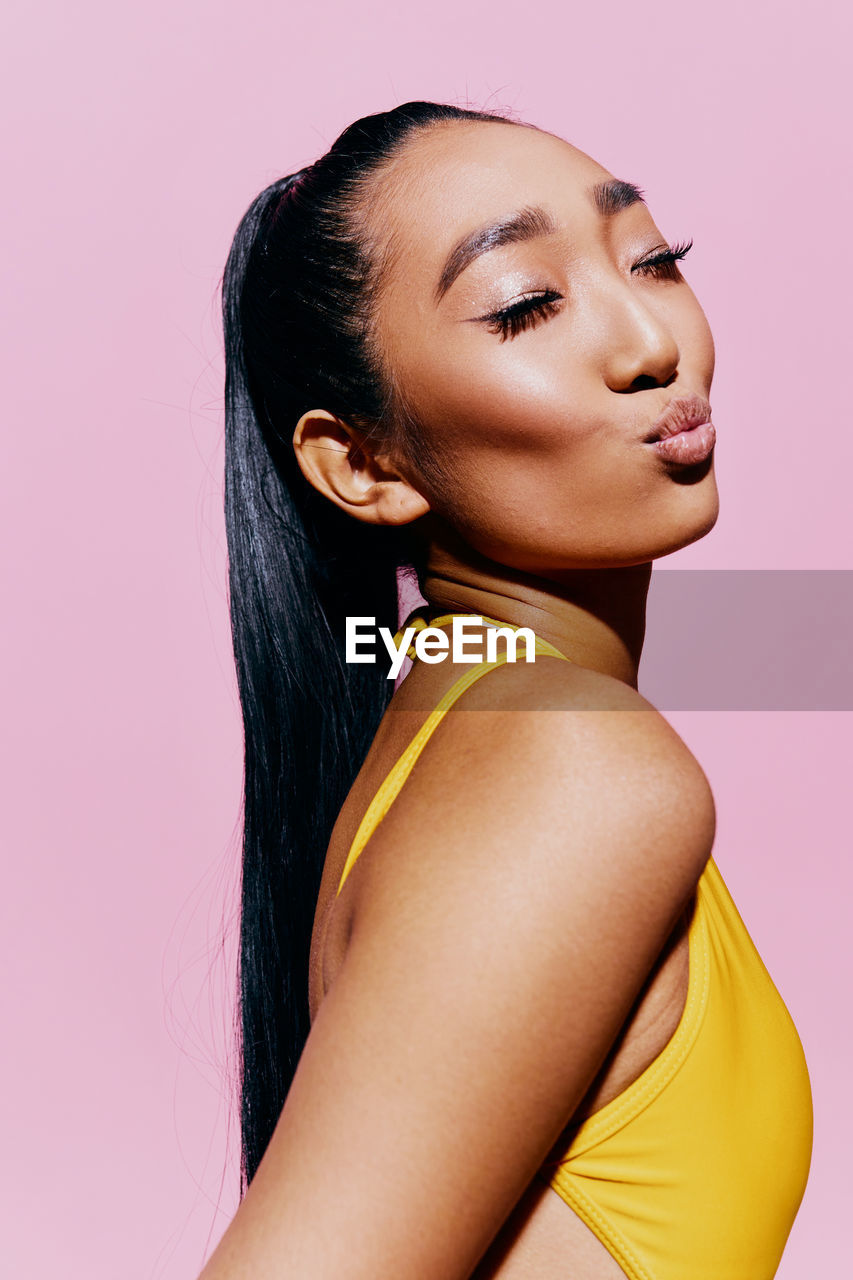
[[524, 314], [508, 322], [663, 262]]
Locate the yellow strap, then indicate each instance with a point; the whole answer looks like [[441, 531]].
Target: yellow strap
[[388, 791]]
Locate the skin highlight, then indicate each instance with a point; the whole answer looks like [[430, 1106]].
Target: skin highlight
[[554, 507]]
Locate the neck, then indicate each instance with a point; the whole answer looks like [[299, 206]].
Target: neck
[[596, 617]]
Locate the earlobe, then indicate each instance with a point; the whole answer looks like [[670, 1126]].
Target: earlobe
[[336, 459]]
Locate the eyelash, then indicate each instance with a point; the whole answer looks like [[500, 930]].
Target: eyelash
[[530, 311]]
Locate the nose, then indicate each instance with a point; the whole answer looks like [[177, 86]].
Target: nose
[[640, 349]]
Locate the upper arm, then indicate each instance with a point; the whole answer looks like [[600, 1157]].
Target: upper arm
[[505, 925]]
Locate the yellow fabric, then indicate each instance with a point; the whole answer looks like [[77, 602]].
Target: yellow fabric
[[697, 1169]]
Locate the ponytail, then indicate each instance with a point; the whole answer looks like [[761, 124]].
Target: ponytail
[[297, 567]]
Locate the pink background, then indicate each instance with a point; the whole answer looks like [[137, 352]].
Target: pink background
[[139, 135]]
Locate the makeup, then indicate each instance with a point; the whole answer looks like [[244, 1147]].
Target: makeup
[[684, 432], [688, 446]]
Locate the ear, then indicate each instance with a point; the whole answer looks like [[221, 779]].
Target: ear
[[337, 461]]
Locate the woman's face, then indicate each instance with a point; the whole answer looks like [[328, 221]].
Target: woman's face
[[541, 424]]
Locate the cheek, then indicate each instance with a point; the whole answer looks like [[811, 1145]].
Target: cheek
[[538, 468], [518, 397]]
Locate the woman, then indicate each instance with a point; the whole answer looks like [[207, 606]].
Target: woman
[[541, 1041]]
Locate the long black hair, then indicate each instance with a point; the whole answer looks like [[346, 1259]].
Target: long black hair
[[296, 296]]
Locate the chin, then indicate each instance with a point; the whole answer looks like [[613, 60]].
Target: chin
[[690, 528]]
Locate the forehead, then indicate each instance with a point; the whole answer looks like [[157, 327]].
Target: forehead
[[456, 176]]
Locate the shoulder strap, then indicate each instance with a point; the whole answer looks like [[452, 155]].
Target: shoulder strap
[[387, 793]]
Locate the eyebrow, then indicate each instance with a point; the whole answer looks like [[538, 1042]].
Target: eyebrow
[[529, 224]]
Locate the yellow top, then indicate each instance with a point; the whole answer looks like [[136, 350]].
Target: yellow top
[[697, 1169]]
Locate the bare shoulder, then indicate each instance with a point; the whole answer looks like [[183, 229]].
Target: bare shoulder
[[527, 760], [596, 709], [511, 903]]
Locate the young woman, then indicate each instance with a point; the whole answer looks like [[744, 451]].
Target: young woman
[[500, 1017]]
